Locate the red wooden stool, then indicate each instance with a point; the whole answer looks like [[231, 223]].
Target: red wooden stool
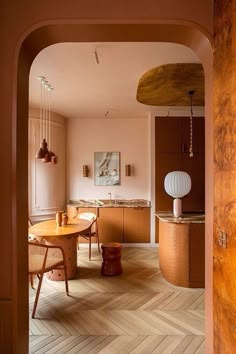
[[111, 253]]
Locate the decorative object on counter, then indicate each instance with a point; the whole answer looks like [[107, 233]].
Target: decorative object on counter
[[177, 184], [107, 168], [191, 93], [59, 218], [44, 153], [64, 219], [128, 170], [111, 253], [85, 171]]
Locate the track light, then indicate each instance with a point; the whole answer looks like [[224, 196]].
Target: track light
[[96, 56]]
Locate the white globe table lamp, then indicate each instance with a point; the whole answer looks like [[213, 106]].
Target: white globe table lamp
[[177, 184]]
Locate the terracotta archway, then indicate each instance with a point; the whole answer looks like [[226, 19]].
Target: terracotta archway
[[54, 33]]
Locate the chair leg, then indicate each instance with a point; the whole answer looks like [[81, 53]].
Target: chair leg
[[98, 243], [90, 248], [32, 281], [97, 235], [37, 295], [66, 279]]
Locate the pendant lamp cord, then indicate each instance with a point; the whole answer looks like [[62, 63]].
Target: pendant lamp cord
[[191, 124]]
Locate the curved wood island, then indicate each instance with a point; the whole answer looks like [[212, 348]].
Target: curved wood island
[[182, 249]]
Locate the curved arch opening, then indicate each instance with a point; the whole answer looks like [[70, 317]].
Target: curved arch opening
[[55, 33]]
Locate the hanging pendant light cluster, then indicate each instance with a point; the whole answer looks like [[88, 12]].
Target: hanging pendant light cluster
[[191, 93], [44, 153]]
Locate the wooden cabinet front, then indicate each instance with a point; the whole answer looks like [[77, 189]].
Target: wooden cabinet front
[[198, 136], [182, 252], [165, 163], [136, 225], [130, 225], [110, 224], [197, 254], [195, 167], [169, 134], [172, 136]]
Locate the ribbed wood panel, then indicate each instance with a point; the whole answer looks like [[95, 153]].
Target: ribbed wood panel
[[136, 312]]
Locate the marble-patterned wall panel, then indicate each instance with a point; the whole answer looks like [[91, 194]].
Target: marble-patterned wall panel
[[225, 178]]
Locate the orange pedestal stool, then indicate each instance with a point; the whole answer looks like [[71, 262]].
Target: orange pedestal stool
[[111, 253]]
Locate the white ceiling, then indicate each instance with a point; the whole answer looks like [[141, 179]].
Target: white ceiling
[[85, 89]]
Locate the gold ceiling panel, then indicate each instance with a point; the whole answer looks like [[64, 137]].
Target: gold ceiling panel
[[169, 85]]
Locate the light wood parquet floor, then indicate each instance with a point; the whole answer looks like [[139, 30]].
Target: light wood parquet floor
[[136, 312]]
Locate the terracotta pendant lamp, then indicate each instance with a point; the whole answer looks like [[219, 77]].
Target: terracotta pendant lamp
[[44, 153]]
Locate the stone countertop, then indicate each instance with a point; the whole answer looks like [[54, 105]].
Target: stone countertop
[[114, 203], [187, 218]]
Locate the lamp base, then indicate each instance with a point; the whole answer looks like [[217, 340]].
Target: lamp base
[[177, 207]]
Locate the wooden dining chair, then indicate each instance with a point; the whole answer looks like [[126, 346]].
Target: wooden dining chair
[[92, 232], [42, 259]]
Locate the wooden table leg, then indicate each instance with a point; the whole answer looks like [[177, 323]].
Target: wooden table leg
[[69, 246]]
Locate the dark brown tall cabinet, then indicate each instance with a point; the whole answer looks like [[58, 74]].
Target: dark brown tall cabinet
[[172, 136]]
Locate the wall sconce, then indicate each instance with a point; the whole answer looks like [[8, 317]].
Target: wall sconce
[[128, 170], [85, 171]]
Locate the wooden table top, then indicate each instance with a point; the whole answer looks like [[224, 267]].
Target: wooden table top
[[49, 230]]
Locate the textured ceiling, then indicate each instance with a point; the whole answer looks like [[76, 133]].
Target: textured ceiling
[[170, 84]]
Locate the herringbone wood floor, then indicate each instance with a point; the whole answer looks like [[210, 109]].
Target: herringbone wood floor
[[136, 312]]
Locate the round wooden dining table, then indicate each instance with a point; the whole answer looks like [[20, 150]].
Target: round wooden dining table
[[63, 236]]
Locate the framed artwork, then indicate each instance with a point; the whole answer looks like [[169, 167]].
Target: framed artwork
[[106, 168]]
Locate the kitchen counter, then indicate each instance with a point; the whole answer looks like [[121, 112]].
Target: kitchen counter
[[120, 220], [184, 218], [113, 203]]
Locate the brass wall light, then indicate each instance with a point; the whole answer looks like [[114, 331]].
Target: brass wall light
[[128, 170], [85, 171]]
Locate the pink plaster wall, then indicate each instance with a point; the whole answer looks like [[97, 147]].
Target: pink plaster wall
[[17, 20], [128, 136]]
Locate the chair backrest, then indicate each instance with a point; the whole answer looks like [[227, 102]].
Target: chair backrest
[[43, 256], [91, 217]]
